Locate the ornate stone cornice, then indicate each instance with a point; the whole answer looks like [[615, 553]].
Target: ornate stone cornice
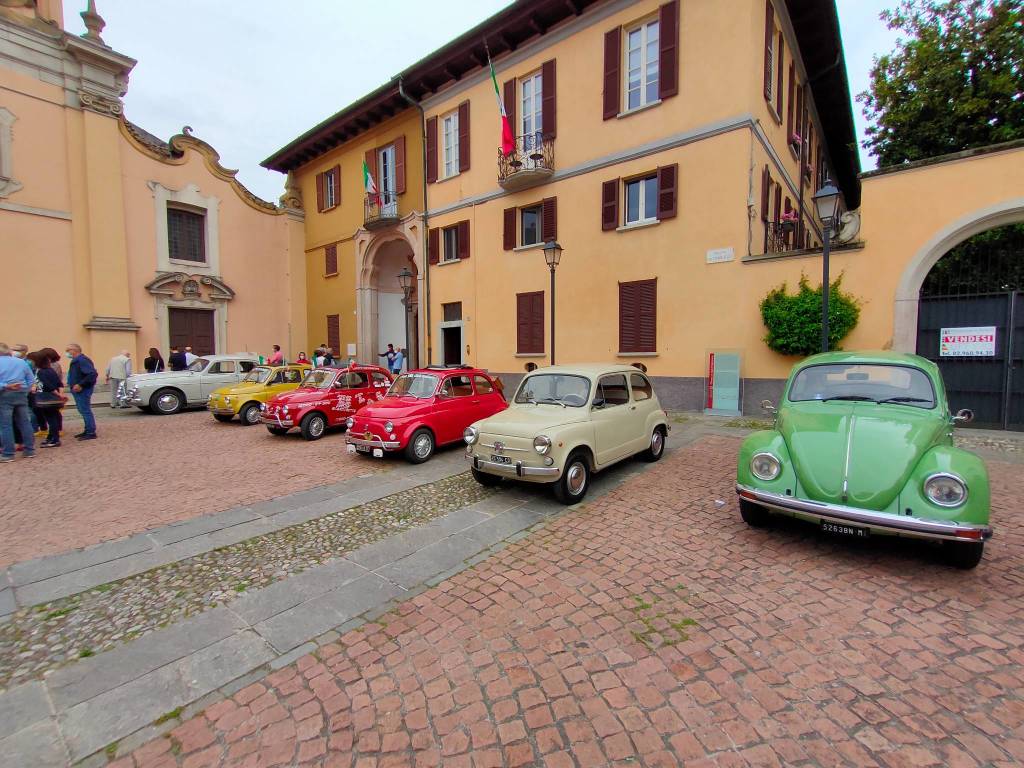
[[100, 104], [182, 286], [292, 197]]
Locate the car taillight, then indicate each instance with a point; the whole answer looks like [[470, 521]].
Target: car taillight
[[967, 533]]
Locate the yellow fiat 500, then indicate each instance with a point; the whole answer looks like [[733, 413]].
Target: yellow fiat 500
[[258, 386]]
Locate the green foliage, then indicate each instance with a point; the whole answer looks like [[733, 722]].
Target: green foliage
[[955, 80], [794, 322], [989, 262]]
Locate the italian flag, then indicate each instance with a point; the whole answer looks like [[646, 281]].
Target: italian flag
[[369, 184], [508, 141]]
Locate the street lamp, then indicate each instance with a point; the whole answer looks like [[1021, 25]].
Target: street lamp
[[405, 283], [826, 201], [552, 255]]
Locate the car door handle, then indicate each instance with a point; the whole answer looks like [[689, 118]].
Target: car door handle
[[476, 402], [632, 407]]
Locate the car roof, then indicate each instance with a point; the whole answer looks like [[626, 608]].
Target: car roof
[[588, 369], [238, 356], [445, 370], [878, 357]]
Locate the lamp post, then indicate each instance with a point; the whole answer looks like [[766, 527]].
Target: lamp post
[[552, 255], [405, 282], [826, 201]]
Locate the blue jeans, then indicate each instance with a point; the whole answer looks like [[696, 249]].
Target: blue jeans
[[14, 410], [83, 402]]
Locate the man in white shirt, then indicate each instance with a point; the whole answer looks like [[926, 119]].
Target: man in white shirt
[[118, 370], [189, 357]]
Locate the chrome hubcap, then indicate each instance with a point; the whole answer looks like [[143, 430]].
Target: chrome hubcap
[[316, 427], [422, 446], [252, 414], [576, 478], [167, 402], [657, 443]]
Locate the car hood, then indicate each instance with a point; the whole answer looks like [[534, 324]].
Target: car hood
[[241, 390], [301, 395], [156, 379], [397, 408], [873, 447], [528, 421]]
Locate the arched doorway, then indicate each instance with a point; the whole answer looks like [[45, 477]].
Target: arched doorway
[[970, 321], [394, 321]]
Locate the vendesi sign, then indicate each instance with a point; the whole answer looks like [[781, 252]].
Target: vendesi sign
[[975, 341]]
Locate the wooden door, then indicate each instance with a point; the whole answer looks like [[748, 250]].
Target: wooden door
[[191, 328]]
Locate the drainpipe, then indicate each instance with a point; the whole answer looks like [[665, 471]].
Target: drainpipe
[[426, 240]]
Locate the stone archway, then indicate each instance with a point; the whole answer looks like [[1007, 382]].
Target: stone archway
[[909, 289], [380, 316]]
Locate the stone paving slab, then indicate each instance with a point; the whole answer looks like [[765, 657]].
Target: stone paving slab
[[22, 706], [282, 595], [38, 746], [380, 553], [199, 525], [7, 602]]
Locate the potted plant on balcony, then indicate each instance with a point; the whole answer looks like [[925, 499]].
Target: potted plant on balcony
[[795, 141], [789, 220]]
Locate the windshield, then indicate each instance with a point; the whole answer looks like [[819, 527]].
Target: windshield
[[414, 385], [319, 378], [257, 375], [561, 389], [198, 364], [856, 381]]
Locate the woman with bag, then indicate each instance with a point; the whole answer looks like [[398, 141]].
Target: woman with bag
[[49, 398], [155, 362]]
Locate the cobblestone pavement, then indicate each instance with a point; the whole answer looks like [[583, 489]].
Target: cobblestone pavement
[[652, 627], [145, 471], [35, 640]]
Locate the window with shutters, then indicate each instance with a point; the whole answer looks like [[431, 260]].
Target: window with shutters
[[450, 246], [452, 312], [638, 316], [331, 260], [774, 51], [450, 144], [186, 235], [330, 189], [530, 323], [641, 200], [529, 225], [641, 64], [334, 333]]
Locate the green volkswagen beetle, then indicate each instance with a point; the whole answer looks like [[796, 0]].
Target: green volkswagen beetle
[[862, 445]]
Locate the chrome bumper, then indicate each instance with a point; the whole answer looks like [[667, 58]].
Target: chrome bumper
[[515, 469], [883, 521], [221, 411], [274, 421], [376, 442]]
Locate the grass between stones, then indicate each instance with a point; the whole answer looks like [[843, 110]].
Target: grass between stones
[[44, 637], [657, 624]]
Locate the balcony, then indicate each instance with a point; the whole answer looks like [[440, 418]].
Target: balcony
[[531, 162], [380, 210], [778, 236]]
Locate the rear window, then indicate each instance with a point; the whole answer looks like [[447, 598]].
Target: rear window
[[899, 384]]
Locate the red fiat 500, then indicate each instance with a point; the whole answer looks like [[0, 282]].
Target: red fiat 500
[[326, 398], [424, 409]]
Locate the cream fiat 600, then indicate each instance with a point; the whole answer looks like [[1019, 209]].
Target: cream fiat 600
[[567, 422]]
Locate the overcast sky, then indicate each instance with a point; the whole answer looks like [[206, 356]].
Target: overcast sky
[[251, 75]]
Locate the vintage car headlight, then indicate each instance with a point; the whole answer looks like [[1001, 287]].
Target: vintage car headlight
[[470, 435], [765, 466], [285, 410], [945, 490], [263, 406], [389, 427], [350, 422], [542, 444], [227, 401]]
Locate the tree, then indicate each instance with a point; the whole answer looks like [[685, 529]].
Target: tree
[[954, 82]]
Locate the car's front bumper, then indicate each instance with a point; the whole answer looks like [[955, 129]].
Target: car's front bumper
[[375, 442], [274, 421], [881, 521], [220, 411], [515, 469]]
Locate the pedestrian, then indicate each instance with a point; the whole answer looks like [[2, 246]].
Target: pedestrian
[[318, 355], [118, 370], [276, 357], [21, 351], [82, 378], [390, 355], [302, 359], [177, 360], [396, 363], [328, 356], [189, 357], [16, 381], [50, 398], [155, 362], [54, 357]]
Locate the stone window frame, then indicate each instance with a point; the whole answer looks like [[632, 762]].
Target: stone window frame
[[8, 185], [188, 198]]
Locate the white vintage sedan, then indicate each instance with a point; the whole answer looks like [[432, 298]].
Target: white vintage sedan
[[168, 392], [567, 422]]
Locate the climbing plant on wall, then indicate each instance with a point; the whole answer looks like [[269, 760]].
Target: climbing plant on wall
[[794, 321]]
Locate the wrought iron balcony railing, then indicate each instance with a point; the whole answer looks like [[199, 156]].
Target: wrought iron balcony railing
[[780, 236], [531, 162], [380, 210]]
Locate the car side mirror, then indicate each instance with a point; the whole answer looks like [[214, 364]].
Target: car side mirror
[[766, 405], [964, 416], [598, 402]]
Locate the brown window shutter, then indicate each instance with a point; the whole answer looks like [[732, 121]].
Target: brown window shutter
[[331, 260], [371, 163], [434, 245], [627, 317], [464, 136], [523, 322], [400, 165], [668, 55], [766, 188], [549, 219], [778, 75], [334, 333], [509, 99], [612, 65], [610, 204], [788, 209], [537, 316], [778, 202], [548, 116], [431, 150], [319, 192], [463, 239], [789, 107], [769, 34], [668, 184], [647, 315], [337, 184], [799, 115], [509, 229]]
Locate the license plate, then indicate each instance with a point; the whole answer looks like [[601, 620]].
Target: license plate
[[351, 448], [501, 459], [378, 453], [841, 529]]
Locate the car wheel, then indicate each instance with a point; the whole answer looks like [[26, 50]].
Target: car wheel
[[963, 554], [313, 426], [167, 401], [250, 414], [485, 478], [420, 447], [657, 447], [753, 514], [277, 430], [572, 486], [222, 417]]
